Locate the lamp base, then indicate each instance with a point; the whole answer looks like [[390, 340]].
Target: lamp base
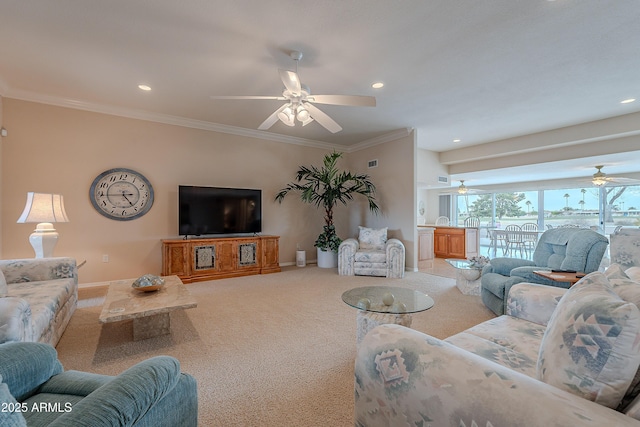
[[44, 239]]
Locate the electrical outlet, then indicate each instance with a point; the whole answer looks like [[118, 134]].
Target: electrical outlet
[[105, 258]]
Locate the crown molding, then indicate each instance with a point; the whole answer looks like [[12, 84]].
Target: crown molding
[[388, 137], [166, 119]]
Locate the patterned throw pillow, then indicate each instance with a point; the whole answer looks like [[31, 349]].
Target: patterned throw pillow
[[633, 273], [629, 290], [372, 238], [3, 285], [591, 347]]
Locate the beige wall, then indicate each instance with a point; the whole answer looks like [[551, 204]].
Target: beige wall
[[1, 174], [395, 180], [61, 150]]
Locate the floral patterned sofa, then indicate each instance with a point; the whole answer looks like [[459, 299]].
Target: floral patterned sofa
[[372, 254], [37, 298], [558, 357]]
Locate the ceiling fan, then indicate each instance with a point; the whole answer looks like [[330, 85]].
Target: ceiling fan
[[601, 179], [463, 189], [299, 102]]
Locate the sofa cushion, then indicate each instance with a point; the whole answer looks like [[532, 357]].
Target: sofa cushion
[[506, 340], [372, 238], [591, 347], [370, 256]]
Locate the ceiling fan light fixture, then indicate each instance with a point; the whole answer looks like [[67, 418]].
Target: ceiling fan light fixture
[[286, 116], [462, 189], [599, 178], [599, 182], [302, 114]]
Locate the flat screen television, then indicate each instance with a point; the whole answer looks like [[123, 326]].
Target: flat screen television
[[215, 210]]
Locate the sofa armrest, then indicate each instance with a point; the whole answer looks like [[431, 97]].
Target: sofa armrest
[[24, 366], [346, 257], [15, 320], [404, 377], [128, 397], [504, 266], [533, 302], [39, 269], [395, 258]]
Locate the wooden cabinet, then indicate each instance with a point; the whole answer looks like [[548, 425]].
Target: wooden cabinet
[[456, 242], [216, 258]]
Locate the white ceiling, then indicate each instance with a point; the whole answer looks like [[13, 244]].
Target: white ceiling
[[475, 70]]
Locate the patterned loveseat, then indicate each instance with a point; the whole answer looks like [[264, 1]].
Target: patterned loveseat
[[37, 298], [557, 358]]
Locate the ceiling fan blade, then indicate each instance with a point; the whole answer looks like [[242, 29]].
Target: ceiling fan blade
[[620, 179], [291, 81], [350, 100], [277, 98], [320, 117], [270, 121]]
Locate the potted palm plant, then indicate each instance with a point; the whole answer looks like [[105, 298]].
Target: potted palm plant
[[325, 187]]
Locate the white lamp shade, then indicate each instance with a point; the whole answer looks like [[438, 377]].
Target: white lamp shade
[[41, 207]]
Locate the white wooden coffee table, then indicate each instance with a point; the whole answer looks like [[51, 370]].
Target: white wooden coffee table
[[149, 310]]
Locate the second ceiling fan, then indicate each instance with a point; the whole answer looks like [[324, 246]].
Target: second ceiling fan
[[299, 102]]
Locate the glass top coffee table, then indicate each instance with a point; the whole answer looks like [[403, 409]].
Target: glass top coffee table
[[379, 305], [387, 299], [467, 276]]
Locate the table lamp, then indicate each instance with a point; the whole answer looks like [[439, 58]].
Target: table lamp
[[44, 209]]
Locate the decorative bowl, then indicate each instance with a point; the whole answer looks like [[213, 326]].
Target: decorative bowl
[[148, 283]]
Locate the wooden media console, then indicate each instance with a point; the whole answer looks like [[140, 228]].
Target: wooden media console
[[198, 259]]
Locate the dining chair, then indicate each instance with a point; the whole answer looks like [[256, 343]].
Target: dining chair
[[513, 239], [472, 221], [529, 241], [442, 220]]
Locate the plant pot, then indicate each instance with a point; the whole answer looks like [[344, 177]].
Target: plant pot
[[327, 259]]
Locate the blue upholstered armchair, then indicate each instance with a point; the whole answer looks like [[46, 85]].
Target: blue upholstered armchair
[[35, 391], [559, 248]]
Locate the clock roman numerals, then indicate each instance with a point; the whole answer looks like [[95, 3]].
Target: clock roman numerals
[[121, 194]]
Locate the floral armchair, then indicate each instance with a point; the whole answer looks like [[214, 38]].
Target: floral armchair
[[372, 254]]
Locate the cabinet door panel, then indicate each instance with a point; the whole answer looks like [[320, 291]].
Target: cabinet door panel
[[226, 256], [441, 245], [456, 245]]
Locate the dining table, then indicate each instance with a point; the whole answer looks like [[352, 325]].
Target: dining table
[[498, 234]]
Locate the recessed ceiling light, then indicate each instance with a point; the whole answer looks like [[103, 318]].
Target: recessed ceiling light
[[377, 85], [627, 101], [144, 87], [456, 140]]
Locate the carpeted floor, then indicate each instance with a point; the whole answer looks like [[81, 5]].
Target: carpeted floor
[[271, 350]]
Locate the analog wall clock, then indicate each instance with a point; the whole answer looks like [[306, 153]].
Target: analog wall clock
[[121, 194]]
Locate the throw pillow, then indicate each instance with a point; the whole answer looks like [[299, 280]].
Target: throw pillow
[[633, 273], [372, 238], [591, 346], [4, 291], [627, 288]]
